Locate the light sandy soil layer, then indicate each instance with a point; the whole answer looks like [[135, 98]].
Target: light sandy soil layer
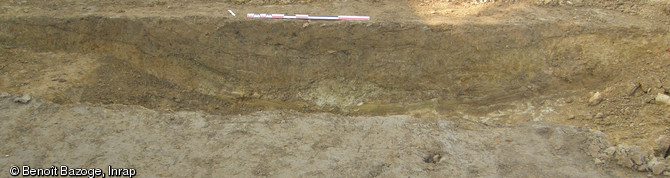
[[289, 144], [495, 88]]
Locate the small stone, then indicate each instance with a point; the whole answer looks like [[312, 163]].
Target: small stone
[[23, 99], [433, 158], [571, 117], [636, 155], [437, 158], [305, 25], [662, 99], [557, 147], [598, 161], [593, 150], [626, 163], [599, 115], [3, 95], [642, 168], [595, 99], [662, 144], [610, 151], [656, 167]]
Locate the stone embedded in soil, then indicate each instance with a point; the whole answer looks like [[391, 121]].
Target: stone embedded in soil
[[593, 150], [642, 168], [595, 99], [662, 99], [599, 116], [631, 157], [662, 144], [598, 161], [433, 158], [610, 151], [656, 167], [23, 99], [2, 95], [636, 155]]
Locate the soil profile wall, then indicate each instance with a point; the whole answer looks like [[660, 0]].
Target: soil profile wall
[[343, 65]]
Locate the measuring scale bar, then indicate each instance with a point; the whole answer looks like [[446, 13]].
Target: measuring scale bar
[[307, 17]]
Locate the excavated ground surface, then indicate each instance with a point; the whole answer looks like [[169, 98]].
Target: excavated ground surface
[[464, 80]]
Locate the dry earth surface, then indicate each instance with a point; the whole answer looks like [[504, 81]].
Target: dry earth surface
[[432, 88]]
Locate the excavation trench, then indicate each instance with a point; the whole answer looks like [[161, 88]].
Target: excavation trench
[[370, 68]]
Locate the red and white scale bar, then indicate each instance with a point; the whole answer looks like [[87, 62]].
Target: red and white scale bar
[[308, 17]]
